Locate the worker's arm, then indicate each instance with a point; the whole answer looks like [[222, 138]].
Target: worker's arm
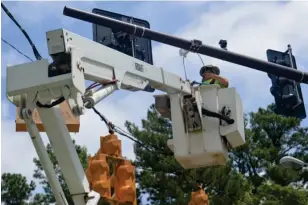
[[223, 81]]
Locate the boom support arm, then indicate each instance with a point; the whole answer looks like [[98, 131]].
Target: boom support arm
[[101, 63]]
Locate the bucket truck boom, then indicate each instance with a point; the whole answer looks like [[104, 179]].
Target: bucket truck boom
[[205, 119]]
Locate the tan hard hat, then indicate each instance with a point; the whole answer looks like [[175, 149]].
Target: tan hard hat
[[210, 68]]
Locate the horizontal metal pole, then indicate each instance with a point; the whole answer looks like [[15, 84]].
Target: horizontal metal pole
[[218, 53]]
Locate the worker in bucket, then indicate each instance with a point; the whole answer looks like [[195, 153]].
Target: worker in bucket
[[210, 75]]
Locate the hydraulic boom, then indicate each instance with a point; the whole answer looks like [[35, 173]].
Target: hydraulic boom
[[199, 139]]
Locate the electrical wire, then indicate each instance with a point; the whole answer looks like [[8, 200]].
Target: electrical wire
[[124, 133], [36, 54], [110, 126], [96, 84], [16, 49], [93, 85], [159, 152], [184, 68], [127, 135], [35, 51], [201, 59], [54, 103]]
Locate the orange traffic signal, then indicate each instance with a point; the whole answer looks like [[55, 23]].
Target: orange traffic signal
[[98, 175], [107, 170], [110, 145], [199, 197], [124, 182]]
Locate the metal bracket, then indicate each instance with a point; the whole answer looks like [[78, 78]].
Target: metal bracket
[[226, 111], [195, 45], [191, 114]]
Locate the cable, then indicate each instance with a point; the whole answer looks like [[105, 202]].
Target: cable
[[115, 128], [110, 126], [96, 84], [93, 85], [201, 59], [122, 132], [184, 68], [54, 103], [36, 54], [16, 49], [125, 134], [35, 51]]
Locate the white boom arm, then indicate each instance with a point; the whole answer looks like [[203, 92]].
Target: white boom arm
[[43, 85]]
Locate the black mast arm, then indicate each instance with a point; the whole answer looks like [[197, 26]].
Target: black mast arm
[[219, 53]]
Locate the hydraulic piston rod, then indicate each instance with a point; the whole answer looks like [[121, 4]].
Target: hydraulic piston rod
[[221, 54]]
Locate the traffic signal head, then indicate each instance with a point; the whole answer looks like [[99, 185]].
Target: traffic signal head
[[134, 46], [287, 93], [124, 183], [98, 175], [137, 47]]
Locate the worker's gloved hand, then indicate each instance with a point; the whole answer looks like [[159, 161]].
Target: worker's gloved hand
[[208, 76]]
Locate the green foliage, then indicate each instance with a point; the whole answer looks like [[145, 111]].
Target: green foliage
[[272, 194], [244, 181], [39, 174], [14, 189], [39, 199], [252, 176]]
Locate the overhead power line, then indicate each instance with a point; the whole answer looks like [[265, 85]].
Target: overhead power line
[[16, 49], [35, 51]]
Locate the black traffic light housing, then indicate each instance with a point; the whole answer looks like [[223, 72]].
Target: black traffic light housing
[[137, 47], [287, 93]]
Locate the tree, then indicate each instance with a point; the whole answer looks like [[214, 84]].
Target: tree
[[48, 196], [270, 137], [252, 175], [39, 199], [274, 194], [166, 182], [14, 189]]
